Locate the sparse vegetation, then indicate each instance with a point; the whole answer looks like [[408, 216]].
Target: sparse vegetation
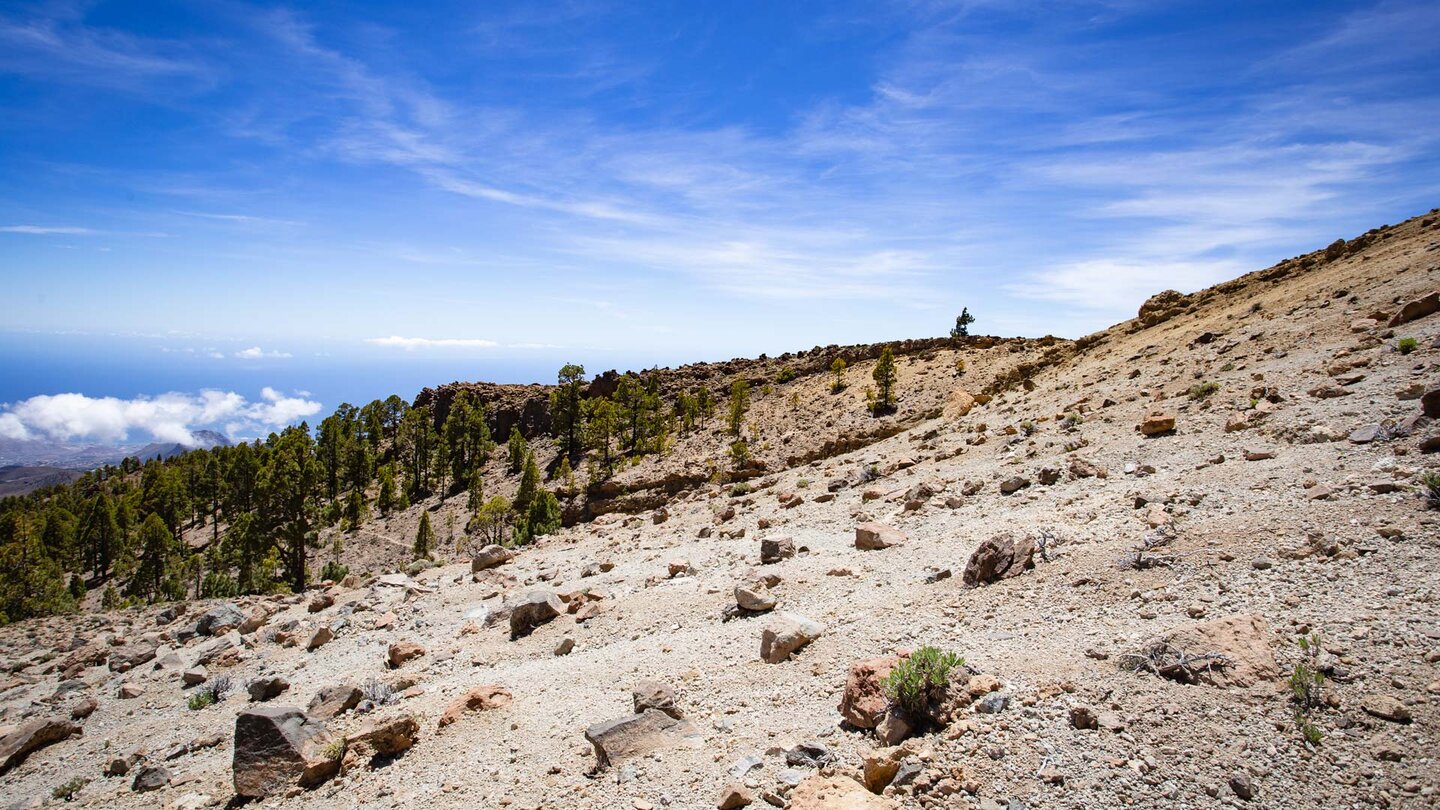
[[1203, 390], [739, 404], [962, 324], [379, 692], [335, 749], [1072, 420], [424, 537], [1307, 684], [1430, 489], [837, 373], [1027, 427], [884, 399], [786, 375], [66, 791], [211, 692], [1407, 345], [913, 684]]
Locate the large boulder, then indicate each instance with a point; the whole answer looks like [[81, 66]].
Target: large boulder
[[489, 557], [219, 620], [32, 735], [479, 699], [786, 634], [638, 734], [534, 609], [876, 536], [1430, 403], [1417, 309], [998, 558], [124, 659], [1161, 307], [1230, 651], [864, 702], [276, 748]]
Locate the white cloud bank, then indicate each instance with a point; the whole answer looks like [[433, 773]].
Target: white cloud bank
[[167, 417], [257, 353], [413, 343]]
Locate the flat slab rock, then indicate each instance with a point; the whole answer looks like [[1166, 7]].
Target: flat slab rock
[[31, 736], [638, 734], [1243, 640], [876, 536]]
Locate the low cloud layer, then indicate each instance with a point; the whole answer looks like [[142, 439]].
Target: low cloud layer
[[412, 343], [170, 417]]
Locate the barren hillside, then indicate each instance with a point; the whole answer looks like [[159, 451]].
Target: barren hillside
[[1129, 625]]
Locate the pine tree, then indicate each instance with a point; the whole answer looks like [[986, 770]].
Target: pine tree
[[156, 556], [565, 407], [884, 375], [962, 324], [529, 486], [837, 370], [355, 511], [424, 537], [739, 404], [601, 425], [517, 449], [100, 535], [386, 499], [543, 516], [476, 497]]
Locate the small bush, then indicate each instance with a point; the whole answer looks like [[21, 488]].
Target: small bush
[[1073, 420], [200, 700], [1430, 484], [1407, 345], [334, 571], [912, 684], [1027, 427], [786, 375], [335, 749], [740, 489], [211, 692], [379, 692], [1203, 390], [66, 791], [1307, 685], [803, 483]]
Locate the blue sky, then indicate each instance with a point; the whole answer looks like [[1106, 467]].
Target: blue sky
[[338, 201]]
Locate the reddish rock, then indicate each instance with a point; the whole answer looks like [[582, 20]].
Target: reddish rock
[[876, 536], [31, 736], [479, 699], [863, 701]]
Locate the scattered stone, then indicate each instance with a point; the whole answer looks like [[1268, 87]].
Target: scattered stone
[[634, 735], [219, 620], [679, 568], [263, 689], [130, 691], [1386, 707], [820, 792], [320, 602], [534, 609], [1242, 787], [150, 777], [322, 636], [776, 548], [566, 645], [787, 634], [1083, 718], [331, 701], [402, 651], [998, 558], [383, 738], [650, 694], [478, 699], [1157, 423], [1014, 484], [755, 597], [876, 536], [863, 702], [194, 676], [126, 658], [734, 795]]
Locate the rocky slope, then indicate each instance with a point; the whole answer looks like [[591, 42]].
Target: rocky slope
[[1283, 501]]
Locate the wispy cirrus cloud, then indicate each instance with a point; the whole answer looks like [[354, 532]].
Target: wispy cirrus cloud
[[413, 343], [257, 353]]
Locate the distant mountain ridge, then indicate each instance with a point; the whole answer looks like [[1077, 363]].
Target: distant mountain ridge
[[67, 456]]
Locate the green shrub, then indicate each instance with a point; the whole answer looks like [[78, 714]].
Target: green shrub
[[66, 791], [200, 700], [786, 375], [1407, 345], [740, 489], [334, 571], [1430, 482], [1203, 390], [1073, 420], [911, 684], [1307, 685]]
